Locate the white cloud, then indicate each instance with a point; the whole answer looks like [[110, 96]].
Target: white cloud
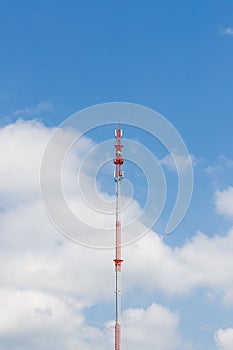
[[153, 328], [203, 262], [224, 339], [34, 111], [23, 145], [220, 169], [224, 201], [183, 162], [30, 112], [34, 319], [226, 31]]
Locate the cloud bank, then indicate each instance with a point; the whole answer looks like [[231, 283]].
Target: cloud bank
[[47, 281], [224, 201]]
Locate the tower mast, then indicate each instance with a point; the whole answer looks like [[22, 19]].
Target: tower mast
[[118, 175]]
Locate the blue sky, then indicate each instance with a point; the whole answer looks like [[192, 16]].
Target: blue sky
[[175, 57]]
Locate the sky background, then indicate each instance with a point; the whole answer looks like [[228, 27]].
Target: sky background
[[59, 57]]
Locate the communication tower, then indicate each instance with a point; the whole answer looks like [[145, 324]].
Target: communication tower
[[118, 176]]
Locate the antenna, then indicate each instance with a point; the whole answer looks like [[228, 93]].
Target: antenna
[[118, 176]]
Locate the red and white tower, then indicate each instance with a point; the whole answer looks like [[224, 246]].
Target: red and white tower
[[118, 175]]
